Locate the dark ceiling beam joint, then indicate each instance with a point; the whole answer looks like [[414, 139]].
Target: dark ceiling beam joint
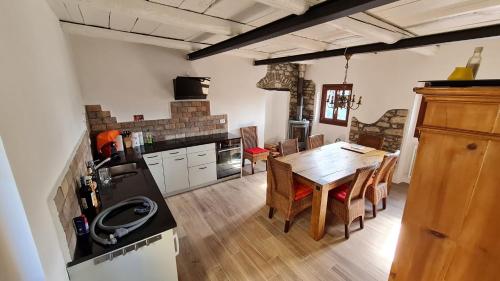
[[407, 43], [318, 14]]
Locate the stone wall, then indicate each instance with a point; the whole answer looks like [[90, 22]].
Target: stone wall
[[189, 119], [284, 77], [66, 200], [390, 125]]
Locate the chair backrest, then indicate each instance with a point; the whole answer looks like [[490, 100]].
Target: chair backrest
[[371, 140], [315, 141], [281, 178], [289, 146], [249, 137], [360, 182], [382, 175]]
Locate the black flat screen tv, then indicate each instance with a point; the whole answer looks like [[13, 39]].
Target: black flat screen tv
[[187, 88]]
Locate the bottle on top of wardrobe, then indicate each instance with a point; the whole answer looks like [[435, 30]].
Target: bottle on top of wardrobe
[[475, 61]]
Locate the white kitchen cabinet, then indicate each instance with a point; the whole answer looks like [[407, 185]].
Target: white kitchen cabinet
[[152, 259], [202, 157], [175, 170], [152, 157], [174, 152], [202, 174], [156, 170], [155, 165], [198, 148]]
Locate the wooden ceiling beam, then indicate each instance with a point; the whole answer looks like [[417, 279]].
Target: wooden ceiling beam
[[419, 41], [167, 15], [100, 32], [297, 7], [320, 13]]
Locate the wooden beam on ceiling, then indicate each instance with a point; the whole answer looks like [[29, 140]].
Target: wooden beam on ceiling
[[165, 14], [419, 41], [100, 32], [297, 7], [320, 13]]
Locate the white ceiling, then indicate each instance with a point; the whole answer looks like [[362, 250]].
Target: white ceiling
[[194, 24]]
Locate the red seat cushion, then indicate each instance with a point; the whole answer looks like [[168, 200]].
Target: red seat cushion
[[301, 191], [256, 150], [339, 193]]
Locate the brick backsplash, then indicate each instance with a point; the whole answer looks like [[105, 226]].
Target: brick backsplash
[[189, 118], [66, 200]]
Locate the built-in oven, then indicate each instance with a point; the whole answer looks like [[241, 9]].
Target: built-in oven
[[228, 158]]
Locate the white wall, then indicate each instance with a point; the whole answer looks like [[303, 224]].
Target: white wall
[[129, 79], [277, 108], [41, 117], [386, 81], [17, 248]]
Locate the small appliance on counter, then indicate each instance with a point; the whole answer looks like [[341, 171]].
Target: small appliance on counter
[[105, 143]]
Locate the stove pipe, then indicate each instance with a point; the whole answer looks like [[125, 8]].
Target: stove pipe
[[300, 91]]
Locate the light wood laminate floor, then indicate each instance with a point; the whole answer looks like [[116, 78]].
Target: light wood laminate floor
[[225, 234]]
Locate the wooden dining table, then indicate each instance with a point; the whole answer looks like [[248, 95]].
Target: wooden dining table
[[325, 168]]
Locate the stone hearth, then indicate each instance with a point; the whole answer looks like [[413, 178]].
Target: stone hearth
[[284, 77]]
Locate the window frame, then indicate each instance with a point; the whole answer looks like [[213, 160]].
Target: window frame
[[324, 95]]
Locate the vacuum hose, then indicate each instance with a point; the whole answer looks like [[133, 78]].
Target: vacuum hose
[[148, 207]]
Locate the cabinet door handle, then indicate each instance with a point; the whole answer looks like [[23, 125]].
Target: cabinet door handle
[[179, 159], [437, 234], [154, 164], [152, 156], [471, 146], [176, 244], [202, 168], [172, 153], [204, 154]]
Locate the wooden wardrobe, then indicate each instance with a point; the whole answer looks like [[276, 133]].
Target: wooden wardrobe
[[451, 222]]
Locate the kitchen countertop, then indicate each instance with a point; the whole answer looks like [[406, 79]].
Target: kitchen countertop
[[143, 184], [135, 154], [140, 184]]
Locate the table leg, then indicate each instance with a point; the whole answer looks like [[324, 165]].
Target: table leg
[[318, 216]]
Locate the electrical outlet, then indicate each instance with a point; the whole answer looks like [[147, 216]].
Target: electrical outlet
[[222, 121]]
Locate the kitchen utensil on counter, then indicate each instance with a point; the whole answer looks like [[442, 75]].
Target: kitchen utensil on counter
[[127, 140], [136, 142], [141, 138], [104, 176], [119, 143]]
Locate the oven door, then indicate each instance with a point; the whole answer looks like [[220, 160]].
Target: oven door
[[228, 162]]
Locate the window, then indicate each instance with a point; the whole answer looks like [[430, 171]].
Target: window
[[330, 115]]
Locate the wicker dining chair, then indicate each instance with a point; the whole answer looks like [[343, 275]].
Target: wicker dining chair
[[371, 140], [348, 201], [251, 151], [285, 194], [391, 173], [378, 188], [289, 146], [315, 141]]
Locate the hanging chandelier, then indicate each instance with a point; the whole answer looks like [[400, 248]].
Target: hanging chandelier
[[343, 99]]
